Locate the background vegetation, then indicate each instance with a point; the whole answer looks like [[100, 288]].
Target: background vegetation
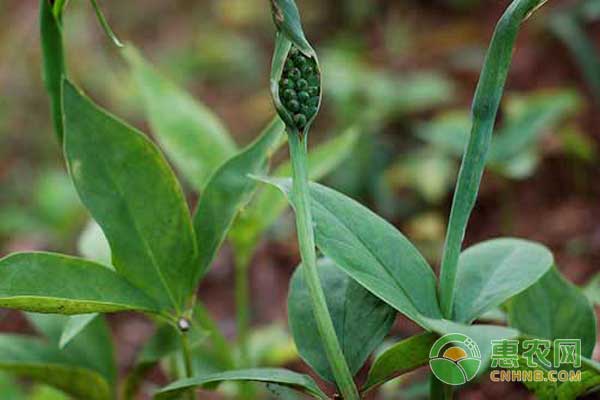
[[401, 74]]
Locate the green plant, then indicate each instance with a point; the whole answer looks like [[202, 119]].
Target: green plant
[[342, 301], [377, 257]]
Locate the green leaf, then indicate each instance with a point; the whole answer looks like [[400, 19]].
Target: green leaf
[[361, 320], [371, 251], [74, 326], [53, 61], [569, 390], [300, 382], [491, 272], [590, 380], [554, 308], [104, 24], [132, 193], [91, 349], [164, 342], [485, 107], [268, 204], [191, 135], [400, 358], [34, 359], [592, 289], [228, 190], [92, 244], [54, 283]]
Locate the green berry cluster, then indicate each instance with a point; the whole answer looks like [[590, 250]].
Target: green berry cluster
[[299, 87]]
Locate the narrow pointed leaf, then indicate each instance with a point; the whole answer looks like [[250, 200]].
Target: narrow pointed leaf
[[300, 382], [34, 359], [192, 136], [400, 358], [132, 193], [228, 190], [554, 308], [53, 283], [371, 251], [491, 272], [361, 320], [74, 326]]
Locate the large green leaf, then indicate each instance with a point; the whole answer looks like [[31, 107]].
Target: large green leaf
[[228, 190], [132, 193], [191, 135], [361, 320], [37, 360], [554, 308], [400, 358], [54, 283], [371, 251], [268, 204], [283, 377], [491, 272]]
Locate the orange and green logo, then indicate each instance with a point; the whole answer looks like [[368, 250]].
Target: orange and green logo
[[455, 359]]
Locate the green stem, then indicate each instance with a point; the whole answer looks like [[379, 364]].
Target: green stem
[[53, 59], [187, 360], [242, 307], [485, 107], [439, 390], [341, 372]]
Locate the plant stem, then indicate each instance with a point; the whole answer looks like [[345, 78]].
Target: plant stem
[[53, 59], [485, 107], [242, 310], [242, 307], [187, 360], [439, 390], [306, 241]]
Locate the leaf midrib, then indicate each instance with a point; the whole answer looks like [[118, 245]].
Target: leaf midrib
[[138, 231], [417, 313]]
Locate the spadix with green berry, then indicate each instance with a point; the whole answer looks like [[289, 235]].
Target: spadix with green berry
[[295, 73]]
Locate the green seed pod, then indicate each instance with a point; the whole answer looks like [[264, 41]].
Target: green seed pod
[[287, 83], [293, 105], [289, 94], [302, 84], [303, 97], [300, 120], [295, 73]]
